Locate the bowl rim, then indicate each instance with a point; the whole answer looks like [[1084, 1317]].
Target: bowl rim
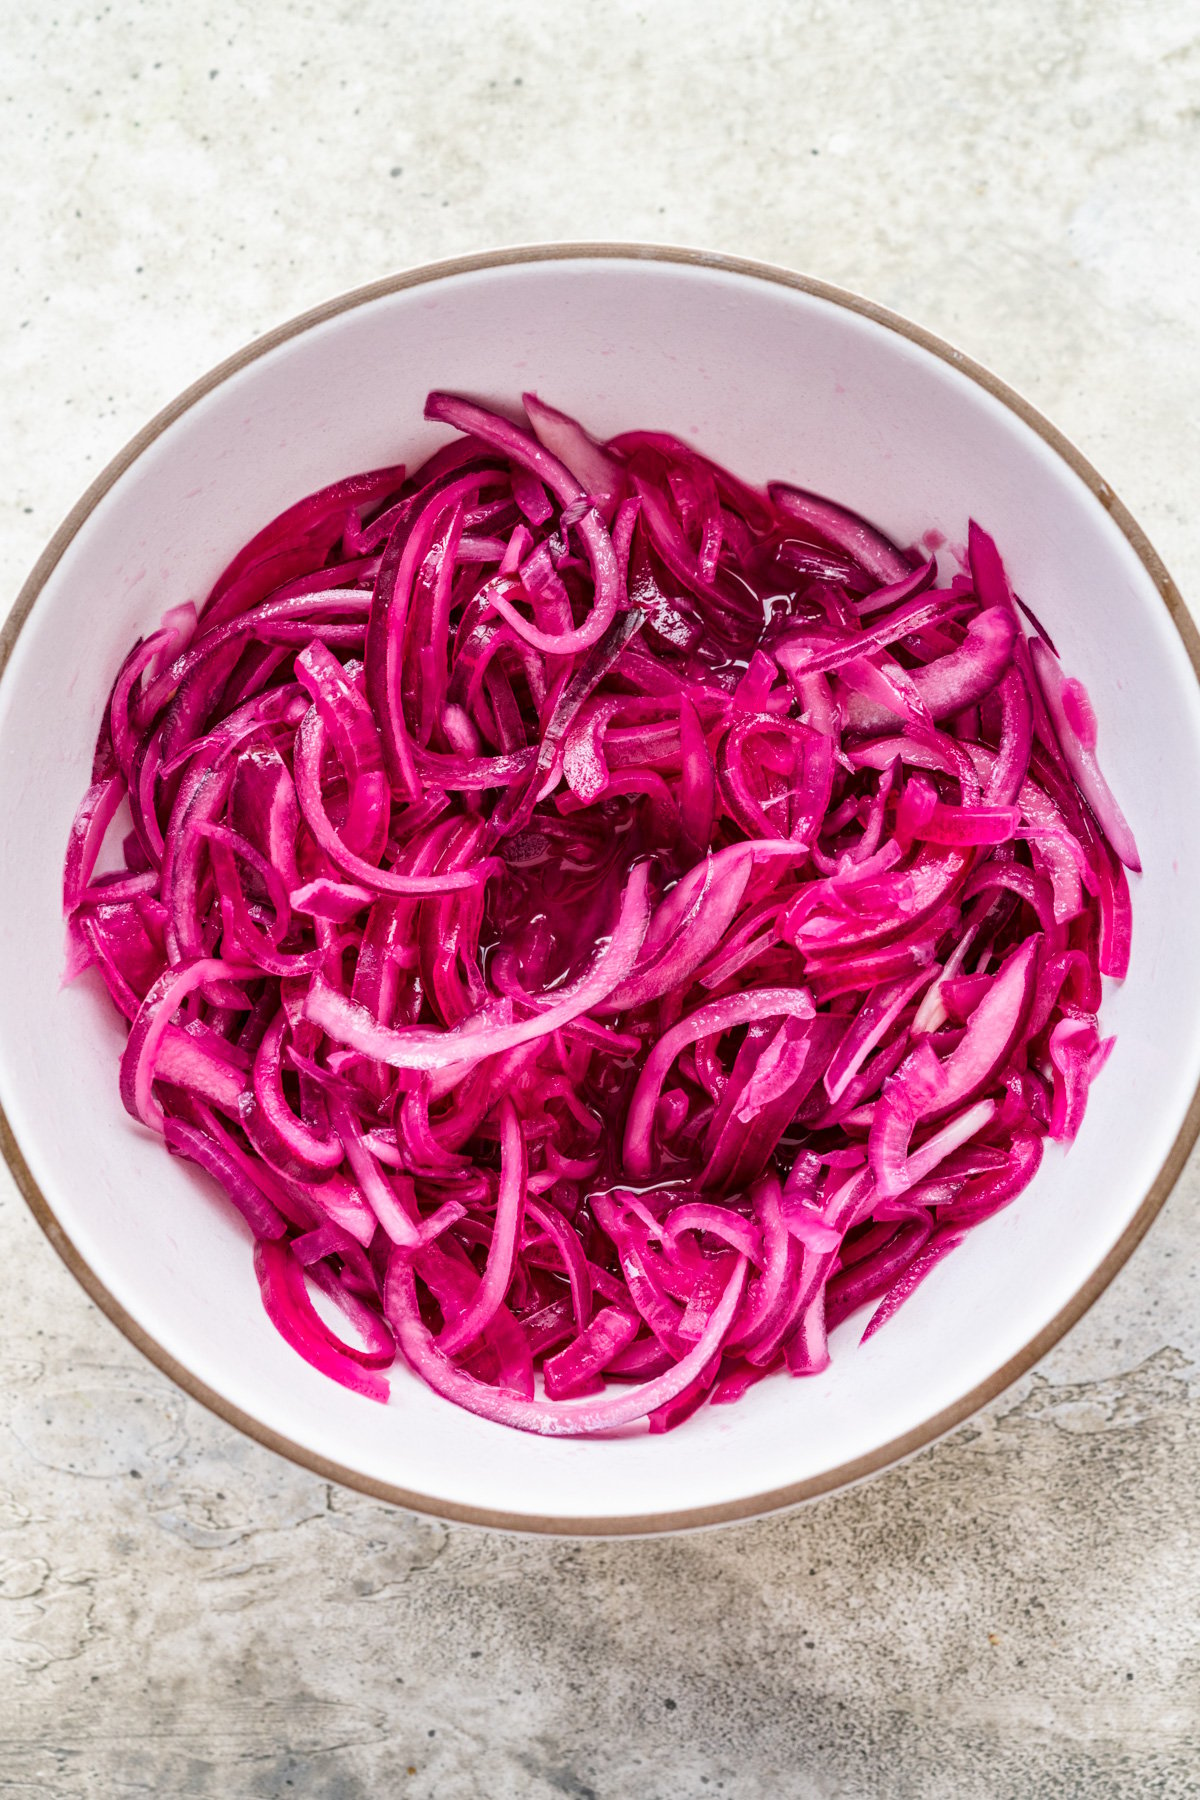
[[884, 1455]]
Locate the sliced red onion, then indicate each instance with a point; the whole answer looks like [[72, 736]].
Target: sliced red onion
[[599, 923], [1071, 712]]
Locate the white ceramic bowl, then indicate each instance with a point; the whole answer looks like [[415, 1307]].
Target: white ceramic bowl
[[776, 376]]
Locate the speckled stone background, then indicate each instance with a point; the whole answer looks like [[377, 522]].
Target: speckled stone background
[[1012, 1616]]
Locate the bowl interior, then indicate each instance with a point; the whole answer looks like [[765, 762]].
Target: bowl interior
[[774, 381]]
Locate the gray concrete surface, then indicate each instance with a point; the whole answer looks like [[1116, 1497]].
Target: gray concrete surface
[[1012, 1616]]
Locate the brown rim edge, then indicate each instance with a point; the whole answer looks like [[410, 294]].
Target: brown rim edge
[[776, 1499]]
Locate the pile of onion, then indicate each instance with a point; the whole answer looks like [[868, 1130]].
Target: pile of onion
[[595, 920]]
